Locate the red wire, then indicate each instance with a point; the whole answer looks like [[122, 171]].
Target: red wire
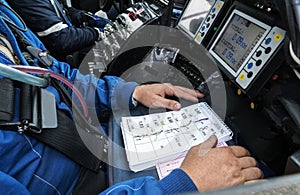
[[37, 70]]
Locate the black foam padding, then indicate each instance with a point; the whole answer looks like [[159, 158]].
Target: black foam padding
[[6, 99], [26, 102]]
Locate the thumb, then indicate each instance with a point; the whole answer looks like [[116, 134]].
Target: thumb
[[166, 103], [208, 144], [101, 14]]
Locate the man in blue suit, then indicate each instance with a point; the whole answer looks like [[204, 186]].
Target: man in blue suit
[[64, 30]]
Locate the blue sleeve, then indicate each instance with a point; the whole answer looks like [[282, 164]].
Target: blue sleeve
[[76, 16], [100, 94], [105, 94], [39, 15], [70, 39], [9, 185], [176, 182]]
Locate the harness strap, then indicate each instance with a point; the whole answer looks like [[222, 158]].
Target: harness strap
[[6, 49], [59, 11], [75, 141], [67, 137], [67, 140]]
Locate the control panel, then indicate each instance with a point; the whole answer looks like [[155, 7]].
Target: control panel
[[208, 21], [260, 57], [193, 15], [158, 6], [244, 47], [101, 57], [175, 10]]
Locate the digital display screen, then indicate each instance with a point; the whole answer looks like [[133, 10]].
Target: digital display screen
[[176, 12], [238, 39], [193, 15]]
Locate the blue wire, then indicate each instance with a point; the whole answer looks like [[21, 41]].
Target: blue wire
[[15, 74]]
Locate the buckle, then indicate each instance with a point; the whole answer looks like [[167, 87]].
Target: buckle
[[21, 127]]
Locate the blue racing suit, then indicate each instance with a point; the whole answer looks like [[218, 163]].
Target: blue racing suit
[[28, 166], [60, 36]]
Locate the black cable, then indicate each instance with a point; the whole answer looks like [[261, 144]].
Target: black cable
[[292, 28], [290, 21], [296, 12], [296, 8], [293, 11], [66, 98], [79, 119], [10, 23]]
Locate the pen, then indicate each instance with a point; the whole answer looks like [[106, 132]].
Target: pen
[[201, 119]]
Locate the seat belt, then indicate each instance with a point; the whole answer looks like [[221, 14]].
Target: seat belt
[[65, 136], [67, 139], [59, 11], [92, 179]]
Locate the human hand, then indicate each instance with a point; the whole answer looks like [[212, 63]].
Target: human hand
[[153, 95], [214, 168], [94, 20], [101, 14]]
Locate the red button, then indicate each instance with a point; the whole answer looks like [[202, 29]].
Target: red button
[[132, 16]]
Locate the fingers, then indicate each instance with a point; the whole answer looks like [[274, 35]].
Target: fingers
[[239, 151], [189, 93], [166, 103], [250, 169], [252, 173], [153, 95], [182, 92], [247, 162], [255, 181]]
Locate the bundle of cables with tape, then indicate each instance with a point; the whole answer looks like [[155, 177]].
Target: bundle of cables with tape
[[293, 22]]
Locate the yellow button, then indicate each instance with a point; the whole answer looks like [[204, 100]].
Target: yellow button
[[219, 6], [239, 91], [198, 36], [252, 105], [277, 37], [242, 77]]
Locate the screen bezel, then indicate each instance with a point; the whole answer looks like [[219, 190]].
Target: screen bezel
[[266, 27], [180, 26]]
